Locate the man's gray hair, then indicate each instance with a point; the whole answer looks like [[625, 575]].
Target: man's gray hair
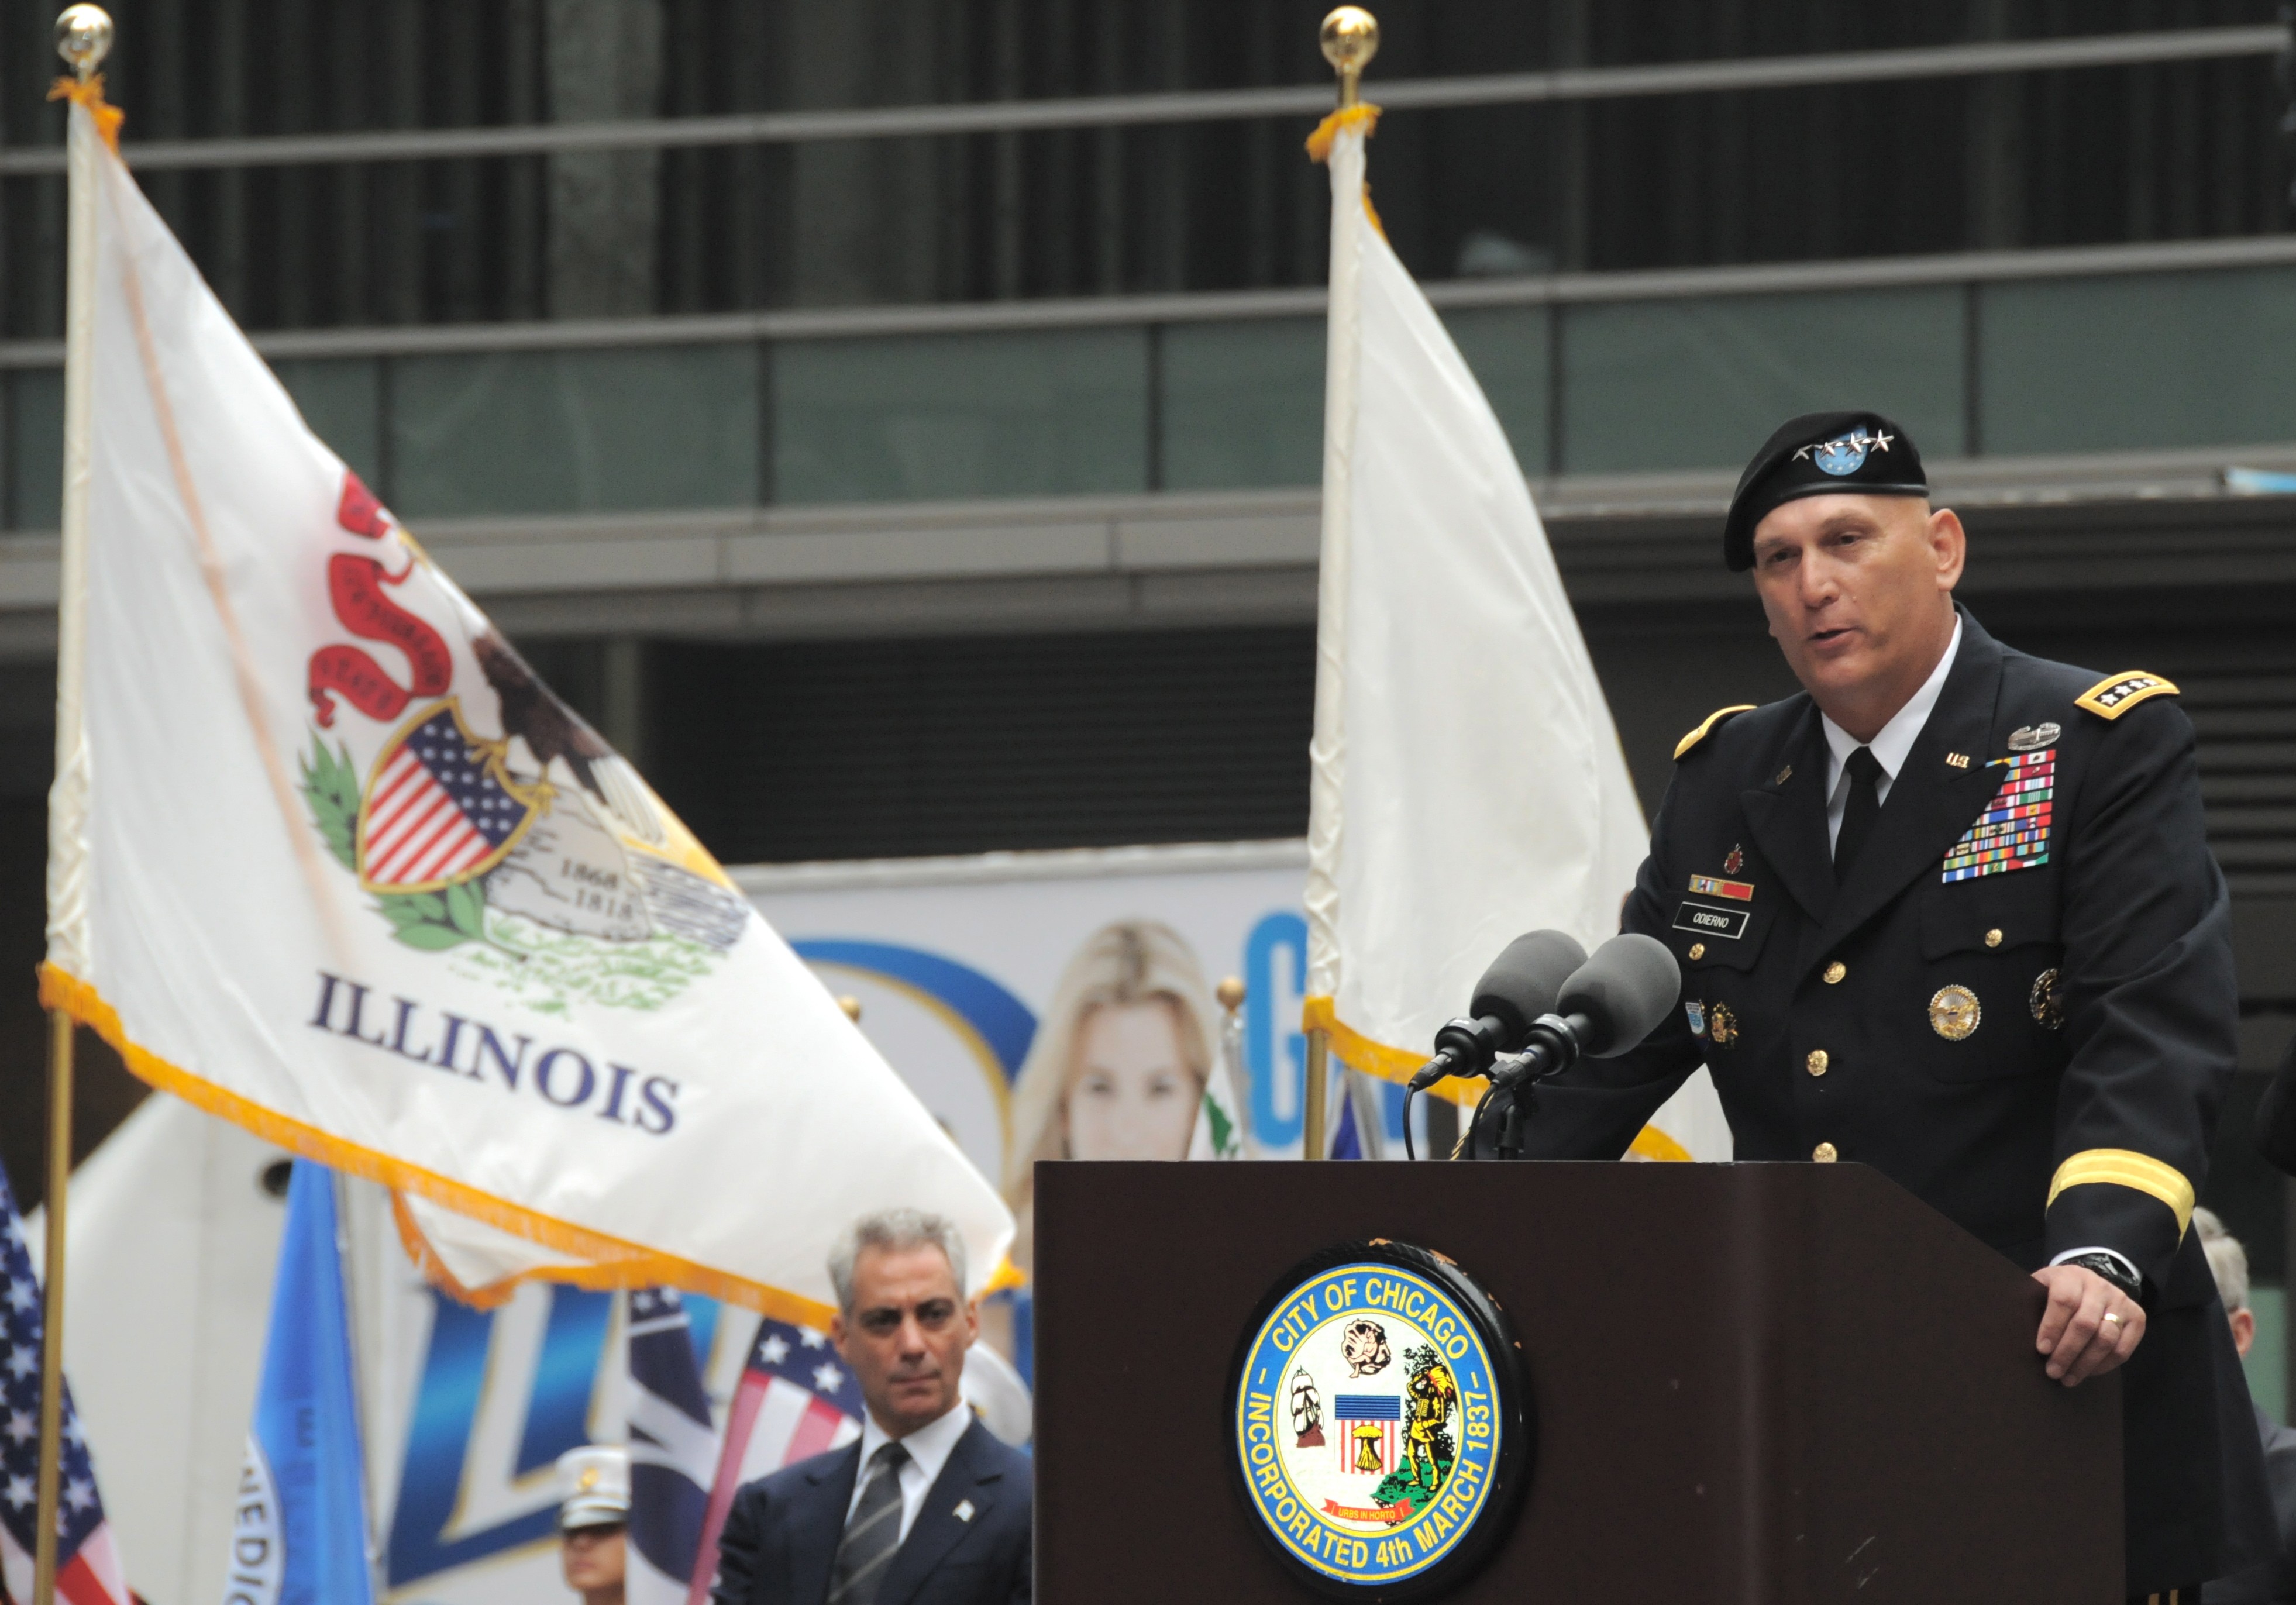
[[2227, 1260], [895, 1230]]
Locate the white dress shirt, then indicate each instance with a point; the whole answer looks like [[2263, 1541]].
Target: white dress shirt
[[1890, 743], [929, 1447]]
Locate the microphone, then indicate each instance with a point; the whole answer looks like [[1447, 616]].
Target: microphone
[[1522, 983], [1605, 1006]]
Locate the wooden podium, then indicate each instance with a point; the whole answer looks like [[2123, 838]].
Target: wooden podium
[[1758, 1384]]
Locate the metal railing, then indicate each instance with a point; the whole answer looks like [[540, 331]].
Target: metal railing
[[844, 322], [1193, 106]]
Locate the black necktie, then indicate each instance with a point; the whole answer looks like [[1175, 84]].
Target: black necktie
[[873, 1533], [1864, 808]]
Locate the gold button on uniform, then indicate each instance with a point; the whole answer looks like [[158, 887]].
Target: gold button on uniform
[[1824, 1153], [1698, 950], [1835, 971], [1816, 1061], [1993, 937]]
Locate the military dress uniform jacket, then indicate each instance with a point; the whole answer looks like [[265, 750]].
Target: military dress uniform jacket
[[2019, 1004]]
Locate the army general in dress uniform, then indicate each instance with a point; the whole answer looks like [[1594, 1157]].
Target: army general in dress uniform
[[1950, 913]]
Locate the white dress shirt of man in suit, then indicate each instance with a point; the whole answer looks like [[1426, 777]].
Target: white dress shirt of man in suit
[[928, 1507]]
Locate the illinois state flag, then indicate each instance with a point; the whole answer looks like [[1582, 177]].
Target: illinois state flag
[[328, 859]]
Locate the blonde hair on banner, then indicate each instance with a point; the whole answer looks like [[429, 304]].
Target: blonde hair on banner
[[1128, 961]]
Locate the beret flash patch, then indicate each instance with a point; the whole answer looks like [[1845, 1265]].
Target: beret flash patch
[[2116, 694]]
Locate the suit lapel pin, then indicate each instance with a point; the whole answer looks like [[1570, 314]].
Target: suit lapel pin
[[1956, 760], [1785, 775], [963, 1512]]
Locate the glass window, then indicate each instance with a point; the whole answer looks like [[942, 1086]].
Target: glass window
[[341, 399], [574, 431], [1677, 384], [1243, 404], [35, 448], [925, 418], [2145, 360], [1509, 349]]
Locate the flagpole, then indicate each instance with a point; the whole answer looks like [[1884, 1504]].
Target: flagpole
[[83, 38], [1349, 37]]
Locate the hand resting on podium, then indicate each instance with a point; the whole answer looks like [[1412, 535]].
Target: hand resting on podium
[[2080, 1342]]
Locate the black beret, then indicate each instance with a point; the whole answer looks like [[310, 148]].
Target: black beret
[[1820, 455]]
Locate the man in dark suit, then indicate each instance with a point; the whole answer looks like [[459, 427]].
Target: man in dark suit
[[927, 1507], [1951, 912]]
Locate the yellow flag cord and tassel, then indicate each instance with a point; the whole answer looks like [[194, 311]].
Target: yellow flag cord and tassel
[[88, 93]]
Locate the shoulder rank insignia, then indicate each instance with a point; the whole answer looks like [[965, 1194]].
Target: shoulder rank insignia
[[1712, 719], [2116, 694]]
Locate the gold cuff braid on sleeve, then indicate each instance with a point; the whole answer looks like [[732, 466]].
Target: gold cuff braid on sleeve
[[2125, 1167]]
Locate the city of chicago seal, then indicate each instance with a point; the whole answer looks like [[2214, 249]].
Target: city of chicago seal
[[1414, 1464]]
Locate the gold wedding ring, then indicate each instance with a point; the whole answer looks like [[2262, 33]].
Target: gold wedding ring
[[2109, 1316]]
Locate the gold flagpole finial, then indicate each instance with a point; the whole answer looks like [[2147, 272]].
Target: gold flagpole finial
[[1350, 38], [84, 38]]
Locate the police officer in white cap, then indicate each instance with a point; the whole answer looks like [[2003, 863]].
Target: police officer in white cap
[[595, 1486]]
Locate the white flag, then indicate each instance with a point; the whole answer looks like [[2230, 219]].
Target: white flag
[[1467, 781], [335, 864]]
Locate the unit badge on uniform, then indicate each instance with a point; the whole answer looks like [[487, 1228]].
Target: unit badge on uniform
[[1721, 1026], [1955, 1012], [2013, 833], [2032, 737], [1428, 1448], [1735, 862], [2047, 1002], [1696, 1012]]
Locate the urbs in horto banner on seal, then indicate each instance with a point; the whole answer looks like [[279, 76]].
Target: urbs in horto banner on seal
[[1380, 1432], [490, 824]]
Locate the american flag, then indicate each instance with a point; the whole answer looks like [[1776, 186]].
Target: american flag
[[796, 1399], [436, 811], [87, 1564]]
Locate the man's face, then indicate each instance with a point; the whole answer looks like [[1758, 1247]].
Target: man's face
[[593, 1558], [905, 1335], [1858, 590]]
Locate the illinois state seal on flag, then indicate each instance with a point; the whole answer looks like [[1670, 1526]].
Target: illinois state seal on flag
[[1428, 1446]]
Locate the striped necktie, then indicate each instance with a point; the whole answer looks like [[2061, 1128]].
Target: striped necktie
[[873, 1533]]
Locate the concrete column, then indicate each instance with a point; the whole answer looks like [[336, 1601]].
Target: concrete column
[[603, 60]]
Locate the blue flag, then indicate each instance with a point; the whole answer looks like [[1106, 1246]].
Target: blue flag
[[299, 1536]]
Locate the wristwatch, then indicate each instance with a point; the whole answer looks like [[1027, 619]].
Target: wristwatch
[[2113, 1269]]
